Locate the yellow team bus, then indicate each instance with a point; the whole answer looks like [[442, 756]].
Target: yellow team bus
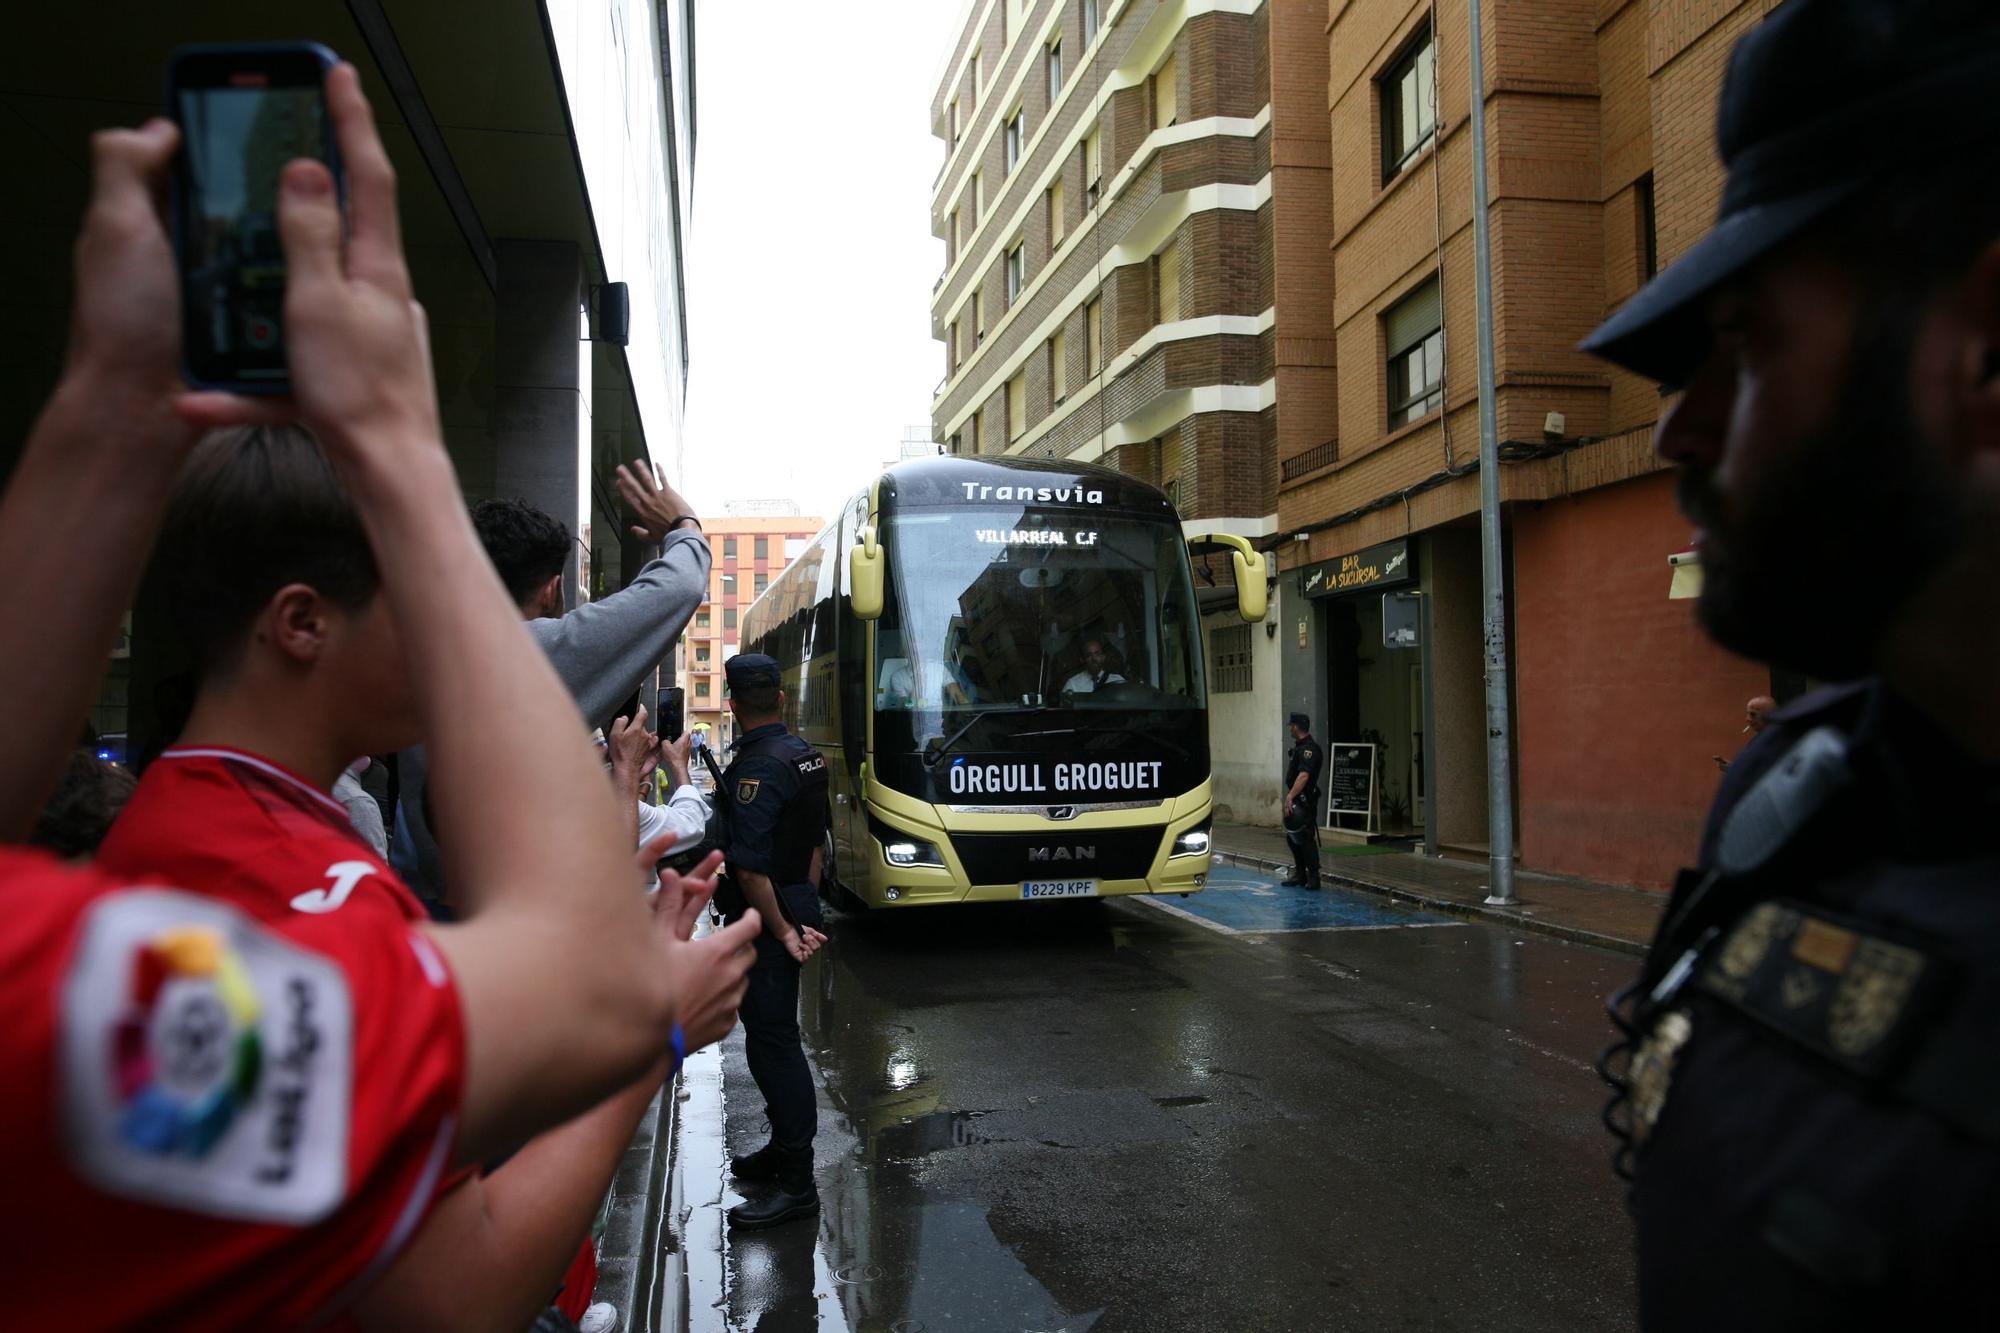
[[1002, 661]]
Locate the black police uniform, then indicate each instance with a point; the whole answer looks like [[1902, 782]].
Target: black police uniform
[[1302, 815], [1812, 1104], [772, 809]]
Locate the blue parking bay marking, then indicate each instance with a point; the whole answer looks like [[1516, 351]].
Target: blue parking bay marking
[[1251, 902]]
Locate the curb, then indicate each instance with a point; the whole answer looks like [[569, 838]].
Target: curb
[[1471, 911]]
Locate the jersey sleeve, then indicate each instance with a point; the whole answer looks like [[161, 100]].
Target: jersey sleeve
[[1309, 762], [263, 1107], [757, 792]]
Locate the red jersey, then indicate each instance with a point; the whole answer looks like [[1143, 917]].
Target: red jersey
[[230, 1103]]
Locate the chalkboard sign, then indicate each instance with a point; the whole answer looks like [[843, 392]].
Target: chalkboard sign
[[1350, 783]]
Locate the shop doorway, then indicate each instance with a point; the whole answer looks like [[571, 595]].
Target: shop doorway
[[1375, 696]]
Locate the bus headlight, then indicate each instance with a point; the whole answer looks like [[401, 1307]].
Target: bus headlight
[[1194, 842], [910, 852]]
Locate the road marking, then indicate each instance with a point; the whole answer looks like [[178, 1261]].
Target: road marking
[[1186, 915]]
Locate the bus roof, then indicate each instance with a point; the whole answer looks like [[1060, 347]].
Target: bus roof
[[947, 481]]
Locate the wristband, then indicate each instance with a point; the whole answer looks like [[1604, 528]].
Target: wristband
[[674, 523], [680, 1043]]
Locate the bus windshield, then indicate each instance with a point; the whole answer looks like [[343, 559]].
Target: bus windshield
[[1015, 609]]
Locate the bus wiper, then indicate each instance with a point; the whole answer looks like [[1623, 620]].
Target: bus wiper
[[937, 751]]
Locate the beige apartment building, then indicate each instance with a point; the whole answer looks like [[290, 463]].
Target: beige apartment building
[[749, 552], [1124, 182]]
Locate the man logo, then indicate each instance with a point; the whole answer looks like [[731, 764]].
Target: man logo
[[1062, 812], [1062, 854]]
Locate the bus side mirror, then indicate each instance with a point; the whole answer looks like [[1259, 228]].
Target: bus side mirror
[[1251, 595], [866, 569]]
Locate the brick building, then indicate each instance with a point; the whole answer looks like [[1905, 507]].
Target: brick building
[[750, 551], [1601, 168], [1124, 180], [1228, 246]]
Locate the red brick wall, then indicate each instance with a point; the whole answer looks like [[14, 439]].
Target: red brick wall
[[1622, 700]]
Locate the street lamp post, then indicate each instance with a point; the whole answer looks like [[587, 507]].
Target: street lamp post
[[1499, 740]]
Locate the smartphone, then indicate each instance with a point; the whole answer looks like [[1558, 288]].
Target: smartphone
[[244, 112]]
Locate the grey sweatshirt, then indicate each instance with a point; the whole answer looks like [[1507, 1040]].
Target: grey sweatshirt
[[601, 650]]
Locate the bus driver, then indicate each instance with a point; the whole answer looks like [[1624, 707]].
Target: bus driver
[[1096, 673]]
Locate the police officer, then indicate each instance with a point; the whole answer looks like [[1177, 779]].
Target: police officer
[[1809, 1090], [772, 816], [1301, 803]]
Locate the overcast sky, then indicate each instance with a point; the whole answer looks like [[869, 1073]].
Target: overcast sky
[[810, 257]]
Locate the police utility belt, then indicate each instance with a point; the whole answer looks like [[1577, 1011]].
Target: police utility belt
[[1889, 1011]]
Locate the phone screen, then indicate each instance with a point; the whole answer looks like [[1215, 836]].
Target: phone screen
[[243, 116]]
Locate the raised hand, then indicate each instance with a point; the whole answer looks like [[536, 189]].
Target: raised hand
[[644, 486], [355, 340], [634, 750], [709, 976], [125, 330]]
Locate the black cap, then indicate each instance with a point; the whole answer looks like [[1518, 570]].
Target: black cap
[[749, 671], [1820, 99], [1302, 722]]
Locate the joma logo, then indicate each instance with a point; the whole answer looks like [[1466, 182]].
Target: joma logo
[[1062, 853]]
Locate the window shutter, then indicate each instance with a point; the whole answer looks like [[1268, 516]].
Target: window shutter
[[1166, 105], [1414, 319], [1170, 282]]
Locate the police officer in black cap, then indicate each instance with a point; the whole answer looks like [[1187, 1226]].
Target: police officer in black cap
[[1809, 1089], [772, 811], [1301, 803]]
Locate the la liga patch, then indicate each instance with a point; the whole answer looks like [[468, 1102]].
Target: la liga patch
[[206, 1063]]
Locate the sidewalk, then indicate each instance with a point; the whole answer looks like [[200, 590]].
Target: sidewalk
[[1578, 910]]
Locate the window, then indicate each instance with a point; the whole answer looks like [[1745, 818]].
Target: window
[[1017, 405], [1011, 139], [1090, 21], [728, 548], [954, 122], [760, 548], [978, 315], [701, 688], [1011, 23], [1649, 227], [1058, 224], [1409, 110], [795, 547], [954, 444], [1017, 269], [759, 583], [1059, 366], [958, 221], [1093, 166], [1093, 334], [978, 194], [1167, 283], [978, 80], [701, 656], [1414, 329], [728, 586], [1052, 62], [951, 238], [701, 618], [979, 431], [1166, 93], [951, 349], [1230, 645]]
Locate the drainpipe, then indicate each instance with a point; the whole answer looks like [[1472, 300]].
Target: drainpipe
[[1499, 742]]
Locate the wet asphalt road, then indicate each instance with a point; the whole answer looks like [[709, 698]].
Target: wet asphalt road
[[1288, 1111]]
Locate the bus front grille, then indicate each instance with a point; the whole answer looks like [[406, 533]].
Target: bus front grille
[[1007, 858]]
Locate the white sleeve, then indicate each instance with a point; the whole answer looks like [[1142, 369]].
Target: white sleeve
[[685, 815]]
